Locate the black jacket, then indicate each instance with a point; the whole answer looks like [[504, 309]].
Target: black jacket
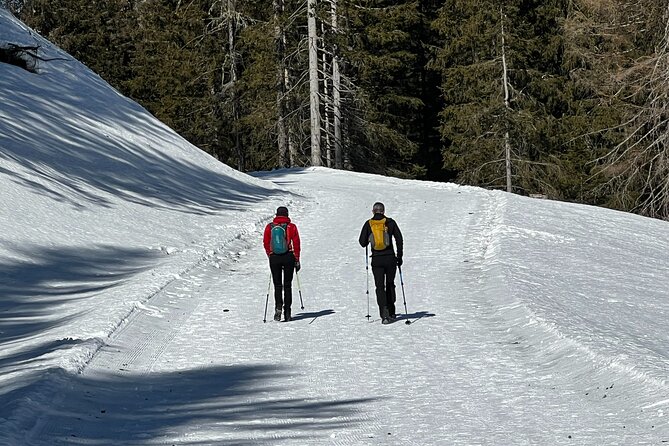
[[393, 231]]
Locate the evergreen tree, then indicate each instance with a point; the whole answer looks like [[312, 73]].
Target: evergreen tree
[[476, 119], [567, 96], [383, 64], [264, 57], [96, 32], [176, 71]]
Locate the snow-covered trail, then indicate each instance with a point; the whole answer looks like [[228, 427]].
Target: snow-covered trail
[[199, 366]]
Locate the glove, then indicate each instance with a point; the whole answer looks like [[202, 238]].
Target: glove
[[399, 261], [297, 266]]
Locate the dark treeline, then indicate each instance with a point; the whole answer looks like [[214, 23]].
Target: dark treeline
[[563, 98]]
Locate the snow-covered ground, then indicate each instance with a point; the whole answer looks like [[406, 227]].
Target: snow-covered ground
[[133, 286]]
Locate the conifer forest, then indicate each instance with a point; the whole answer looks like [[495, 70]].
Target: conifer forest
[[567, 99]]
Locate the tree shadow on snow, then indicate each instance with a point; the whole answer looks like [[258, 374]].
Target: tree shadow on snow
[[80, 148], [37, 285], [219, 405], [32, 289]]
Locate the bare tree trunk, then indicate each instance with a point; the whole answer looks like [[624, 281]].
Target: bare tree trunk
[[313, 85], [231, 21], [336, 104], [293, 156], [336, 94], [327, 107], [505, 81], [232, 25], [282, 137]]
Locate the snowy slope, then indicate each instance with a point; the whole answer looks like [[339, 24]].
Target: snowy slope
[[133, 289], [101, 206]]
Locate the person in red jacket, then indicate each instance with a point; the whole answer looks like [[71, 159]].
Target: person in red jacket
[[282, 245]]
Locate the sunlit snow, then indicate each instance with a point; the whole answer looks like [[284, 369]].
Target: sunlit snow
[[133, 285]]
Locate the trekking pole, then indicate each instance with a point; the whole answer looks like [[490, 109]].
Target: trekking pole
[[267, 299], [299, 289], [367, 268], [404, 296]]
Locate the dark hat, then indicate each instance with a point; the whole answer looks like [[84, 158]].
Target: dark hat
[[282, 210]]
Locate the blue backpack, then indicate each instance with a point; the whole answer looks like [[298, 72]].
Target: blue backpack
[[278, 238]]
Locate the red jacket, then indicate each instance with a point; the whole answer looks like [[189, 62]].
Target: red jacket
[[291, 234]]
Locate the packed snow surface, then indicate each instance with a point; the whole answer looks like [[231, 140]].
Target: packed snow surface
[[133, 288]]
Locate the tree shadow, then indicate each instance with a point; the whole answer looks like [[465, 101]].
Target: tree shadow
[[218, 405], [36, 282], [312, 315], [277, 176], [74, 139]]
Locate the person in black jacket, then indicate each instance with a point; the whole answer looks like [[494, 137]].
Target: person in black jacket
[[379, 232]]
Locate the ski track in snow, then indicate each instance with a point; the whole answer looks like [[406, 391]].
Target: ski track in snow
[[476, 367], [513, 342]]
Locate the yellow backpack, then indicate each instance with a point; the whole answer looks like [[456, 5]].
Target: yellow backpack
[[379, 238]]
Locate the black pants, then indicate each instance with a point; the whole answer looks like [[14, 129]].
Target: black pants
[[282, 265], [384, 269]]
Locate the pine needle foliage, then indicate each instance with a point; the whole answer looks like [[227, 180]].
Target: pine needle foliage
[[564, 98]]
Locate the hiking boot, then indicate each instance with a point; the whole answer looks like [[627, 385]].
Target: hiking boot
[[385, 314], [385, 321], [286, 315], [277, 314]]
